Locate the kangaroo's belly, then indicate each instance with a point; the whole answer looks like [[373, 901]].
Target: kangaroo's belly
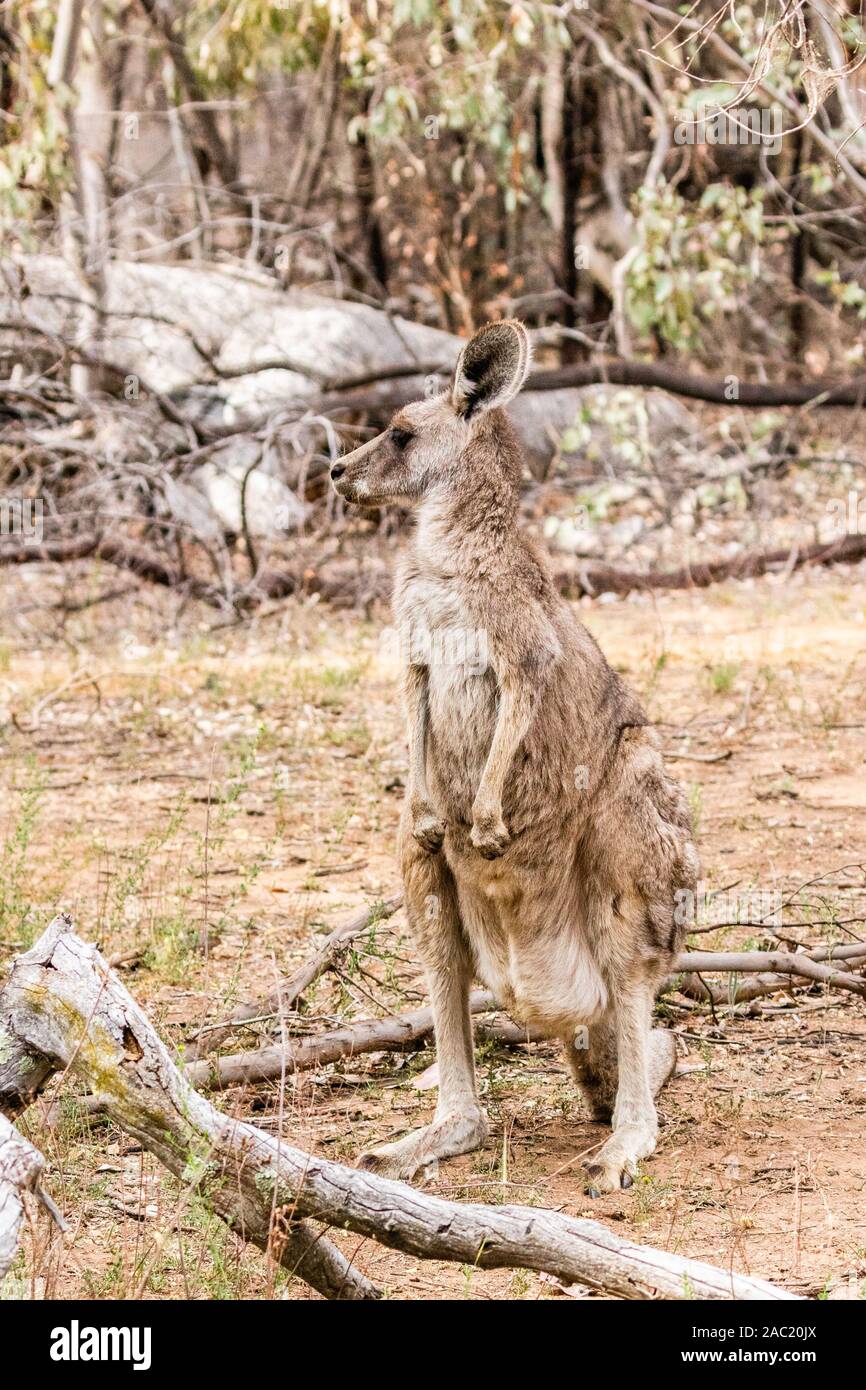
[[532, 952]]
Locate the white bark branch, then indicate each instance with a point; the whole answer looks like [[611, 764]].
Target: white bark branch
[[63, 1002], [20, 1170], [781, 963]]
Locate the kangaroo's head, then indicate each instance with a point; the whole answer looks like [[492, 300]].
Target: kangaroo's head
[[426, 441]]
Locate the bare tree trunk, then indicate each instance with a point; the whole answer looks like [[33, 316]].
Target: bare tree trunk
[[65, 46], [368, 216], [77, 63], [210, 148]]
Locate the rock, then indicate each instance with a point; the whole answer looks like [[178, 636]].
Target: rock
[[272, 509], [245, 318], [188, 506]]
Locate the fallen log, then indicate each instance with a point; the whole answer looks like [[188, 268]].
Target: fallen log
[[579, 581], [65, 1004], [85, 1022], [21, 1167], [396, 1033], [724, 993], [780, 963], [122, 555], [591, 580]]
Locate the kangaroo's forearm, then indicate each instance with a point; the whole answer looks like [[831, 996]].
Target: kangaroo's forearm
[[512, 725], [417, 710]]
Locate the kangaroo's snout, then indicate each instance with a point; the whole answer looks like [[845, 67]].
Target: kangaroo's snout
[[337, 471]]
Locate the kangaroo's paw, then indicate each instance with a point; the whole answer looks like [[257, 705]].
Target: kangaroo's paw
[[615, 1165], [428, 829], [489, 836], [459, 1133]]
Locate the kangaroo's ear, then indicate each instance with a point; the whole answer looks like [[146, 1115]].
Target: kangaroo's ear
[[491, 368]]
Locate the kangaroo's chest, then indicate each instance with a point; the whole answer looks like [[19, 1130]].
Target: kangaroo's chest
[[439, 631]]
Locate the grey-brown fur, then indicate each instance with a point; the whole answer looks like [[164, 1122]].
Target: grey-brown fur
[[542, 843]]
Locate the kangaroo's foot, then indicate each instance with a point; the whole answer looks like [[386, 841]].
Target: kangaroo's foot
[[615, 1165], [458, 1133], [428, 828]]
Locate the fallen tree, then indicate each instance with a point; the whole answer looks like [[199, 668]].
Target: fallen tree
[[782, 964], [64, 1006], [575, 582], [611, 579], [393, 1034], [21, 1167]]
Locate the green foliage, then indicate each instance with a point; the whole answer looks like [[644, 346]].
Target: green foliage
[[17, 919], [419, 67], [693, 260], [846, 293], [34, 168]]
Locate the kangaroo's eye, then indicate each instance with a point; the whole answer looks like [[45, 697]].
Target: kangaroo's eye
[[401, 438]]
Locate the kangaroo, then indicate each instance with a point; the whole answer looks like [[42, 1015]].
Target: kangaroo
[[543, 847]]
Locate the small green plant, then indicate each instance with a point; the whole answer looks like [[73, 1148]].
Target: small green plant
[[722, 677], [696, 803]]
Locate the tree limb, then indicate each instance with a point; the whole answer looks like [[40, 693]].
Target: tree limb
[[20, 1170], [615, 372], [781, 963], [279, 1001]]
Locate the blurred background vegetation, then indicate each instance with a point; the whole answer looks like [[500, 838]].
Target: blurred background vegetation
[[455, 161]]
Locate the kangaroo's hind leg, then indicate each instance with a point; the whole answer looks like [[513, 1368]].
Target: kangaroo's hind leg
[[592, 1058], [459, 1124], [635, 1123]]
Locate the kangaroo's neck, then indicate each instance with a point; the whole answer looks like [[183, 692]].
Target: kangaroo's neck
[[470, 518]]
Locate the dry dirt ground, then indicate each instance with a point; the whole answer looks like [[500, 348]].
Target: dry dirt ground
[[208, 800]]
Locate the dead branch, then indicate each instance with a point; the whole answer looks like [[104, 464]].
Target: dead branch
[[597, 579], [280, 1001], [772, 971], [213, 148], [66, 1005], [613, 372], [20, 1170], [781, 963], [396, 1033], [589, 579], [90, 1026], [722, 993], [400, 1032]]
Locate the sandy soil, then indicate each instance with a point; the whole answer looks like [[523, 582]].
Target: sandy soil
[[207, 801]]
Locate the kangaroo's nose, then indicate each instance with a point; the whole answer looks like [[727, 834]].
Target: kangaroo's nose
[[337, 471]]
